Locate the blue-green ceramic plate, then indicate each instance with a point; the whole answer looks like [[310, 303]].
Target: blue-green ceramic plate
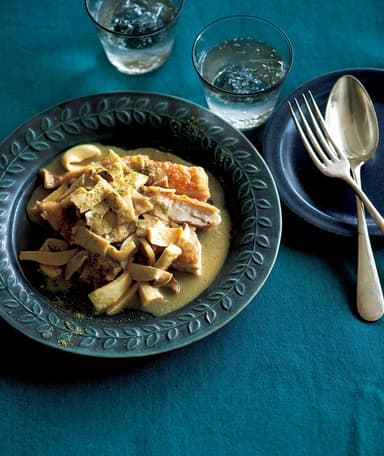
[[133, 120]]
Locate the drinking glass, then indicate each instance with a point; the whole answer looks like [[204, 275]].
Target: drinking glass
[[242, 62], [137, 35]]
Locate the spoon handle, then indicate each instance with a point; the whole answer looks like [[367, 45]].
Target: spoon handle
[[370, 301]]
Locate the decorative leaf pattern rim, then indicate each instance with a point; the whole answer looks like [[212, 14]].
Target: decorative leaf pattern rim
[[257, 243]]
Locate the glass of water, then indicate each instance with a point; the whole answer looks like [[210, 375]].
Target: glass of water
[[242, 62], [137, 35]]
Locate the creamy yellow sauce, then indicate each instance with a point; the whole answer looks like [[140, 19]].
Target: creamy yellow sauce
[[215, 243]]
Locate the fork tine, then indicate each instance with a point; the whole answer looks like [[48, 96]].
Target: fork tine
[[316, 133], [310, 142], [329, 144], [306, 141], [318, 125]]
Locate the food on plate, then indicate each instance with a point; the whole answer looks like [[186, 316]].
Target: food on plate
[[129, 226]]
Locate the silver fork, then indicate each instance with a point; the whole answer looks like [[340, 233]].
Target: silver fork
[[327, 157]]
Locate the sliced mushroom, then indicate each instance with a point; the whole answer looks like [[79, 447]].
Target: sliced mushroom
[[162, 235], [48, 258], [52, 245], [147, 253], [169, 255], [149, 295], [127, 249], [142, 273], [75, 264], [124, 301], [104, 297], [77, 157]]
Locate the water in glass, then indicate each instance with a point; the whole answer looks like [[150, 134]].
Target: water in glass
[[135, 46], [243, 74]]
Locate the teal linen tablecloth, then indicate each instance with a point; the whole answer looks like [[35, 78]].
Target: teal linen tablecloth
[[296, 373]]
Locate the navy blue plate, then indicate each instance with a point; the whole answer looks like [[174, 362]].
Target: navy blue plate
[[131, 120], [327, 203]]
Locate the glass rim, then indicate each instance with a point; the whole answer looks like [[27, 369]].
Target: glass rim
[[248, 94], [135, 35]]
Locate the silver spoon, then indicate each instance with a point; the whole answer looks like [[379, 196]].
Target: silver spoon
[[352, 122]]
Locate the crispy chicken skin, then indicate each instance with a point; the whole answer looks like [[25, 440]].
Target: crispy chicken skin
[[191, 181]]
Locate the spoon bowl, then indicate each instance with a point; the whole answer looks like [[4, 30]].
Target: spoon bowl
[[352, 123], [351, 120]]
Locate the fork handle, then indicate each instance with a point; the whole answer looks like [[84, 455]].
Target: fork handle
[[369, 300], [367, 202]]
